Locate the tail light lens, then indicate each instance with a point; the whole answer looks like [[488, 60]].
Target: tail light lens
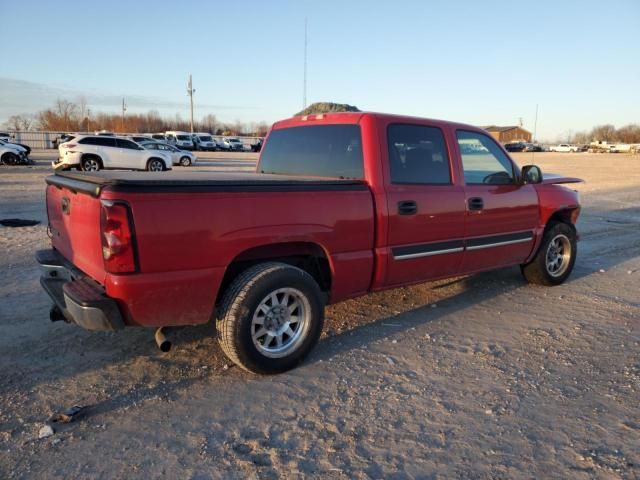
[[118, 248], [68, 145]]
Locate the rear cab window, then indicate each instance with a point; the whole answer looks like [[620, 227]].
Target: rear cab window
[[418, 155], [329, 151]]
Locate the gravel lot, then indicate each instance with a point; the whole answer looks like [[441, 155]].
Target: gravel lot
[[479, 377]]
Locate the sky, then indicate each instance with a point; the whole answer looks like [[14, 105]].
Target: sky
[[478, 62]]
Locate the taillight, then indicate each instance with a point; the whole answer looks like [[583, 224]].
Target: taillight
[[118, 249], [68, 145]]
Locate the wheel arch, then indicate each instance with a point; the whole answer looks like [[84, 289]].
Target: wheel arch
[[308, 256]]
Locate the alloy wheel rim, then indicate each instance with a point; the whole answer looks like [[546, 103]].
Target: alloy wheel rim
[[91, 165], [558, 255], [155, 166], [281, 322]]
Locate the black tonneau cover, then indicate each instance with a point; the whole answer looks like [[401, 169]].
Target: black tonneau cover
[[93, 183]]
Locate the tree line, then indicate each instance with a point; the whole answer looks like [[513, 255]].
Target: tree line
[[68, 116], [608, 133]]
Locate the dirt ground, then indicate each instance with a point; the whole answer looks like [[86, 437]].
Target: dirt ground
[[479, 377]]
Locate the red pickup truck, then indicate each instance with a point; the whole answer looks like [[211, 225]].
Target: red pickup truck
[[340, 205]]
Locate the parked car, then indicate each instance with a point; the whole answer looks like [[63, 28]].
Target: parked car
[[515, 147], [232, 144], [257, 146], [5, 136], [533, 147], [205, 142], [140, 138], [181, 140], [23, 147], [564, 147], [159, 137], [184, 158], [97, 152], [341, 204], [11, 154], [65, 137], [104, 133]]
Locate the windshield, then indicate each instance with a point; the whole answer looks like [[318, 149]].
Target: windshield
[[205, 138], [333, 151], [184, 138]]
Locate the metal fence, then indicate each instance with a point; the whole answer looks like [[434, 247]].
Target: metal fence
[[44, 140]]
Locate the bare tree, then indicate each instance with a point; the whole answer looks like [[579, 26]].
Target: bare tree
[[20, 123], [604, 133]]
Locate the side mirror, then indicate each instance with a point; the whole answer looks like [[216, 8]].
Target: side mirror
[[531, 174]]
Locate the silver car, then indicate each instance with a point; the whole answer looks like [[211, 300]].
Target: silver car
[[183, 158]]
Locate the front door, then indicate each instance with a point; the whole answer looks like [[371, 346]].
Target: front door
[[426, 207], [501, 215]]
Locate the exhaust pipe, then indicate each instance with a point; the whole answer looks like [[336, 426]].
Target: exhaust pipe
[[162, 342], [55, 314]]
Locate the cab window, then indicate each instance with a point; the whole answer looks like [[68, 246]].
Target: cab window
[[483, 161], [417, 155]]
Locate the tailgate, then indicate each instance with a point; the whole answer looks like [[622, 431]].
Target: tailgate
[[74, 222]]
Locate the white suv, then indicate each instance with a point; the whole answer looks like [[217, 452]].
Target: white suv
[[93, 152]]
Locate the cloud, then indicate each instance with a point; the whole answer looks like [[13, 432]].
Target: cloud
[[24, 97]]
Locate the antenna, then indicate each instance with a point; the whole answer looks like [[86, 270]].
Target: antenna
[[190, 92], [304, 82]]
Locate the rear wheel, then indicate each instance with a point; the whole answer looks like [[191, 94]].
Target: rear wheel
[[270, 318], [555, 258], [91, 164], [155, 165], [185, 161]]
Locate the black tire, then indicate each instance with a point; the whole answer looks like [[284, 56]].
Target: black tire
[[155, 165], [91, 163], [9, 159], [240, 302], [185, 161], [541, 269]]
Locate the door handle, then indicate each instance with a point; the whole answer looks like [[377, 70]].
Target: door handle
[[407, 207], [476, 203]]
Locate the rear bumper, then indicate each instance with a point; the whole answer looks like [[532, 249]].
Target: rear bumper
[[80, 299]]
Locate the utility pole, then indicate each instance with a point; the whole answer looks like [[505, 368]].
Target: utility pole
[[124, 109], [304, 82], [88, 118], [190, 92], [535, 126]]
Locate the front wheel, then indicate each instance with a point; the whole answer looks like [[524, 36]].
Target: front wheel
[[185, 161], [270, 318], [555, 258]]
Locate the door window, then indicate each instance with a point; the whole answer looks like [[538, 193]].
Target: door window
[[483, 160], [127, 144], [417, 155]]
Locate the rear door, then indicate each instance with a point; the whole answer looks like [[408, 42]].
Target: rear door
[[106, 148], [425, 205], [501, 215]]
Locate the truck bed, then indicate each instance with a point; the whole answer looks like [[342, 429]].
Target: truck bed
[[93, 183], [189, 226]]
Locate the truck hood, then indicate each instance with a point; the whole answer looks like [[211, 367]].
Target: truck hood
[[554, 178]]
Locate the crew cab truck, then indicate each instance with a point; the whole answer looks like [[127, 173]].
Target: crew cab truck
[[340, 205]]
